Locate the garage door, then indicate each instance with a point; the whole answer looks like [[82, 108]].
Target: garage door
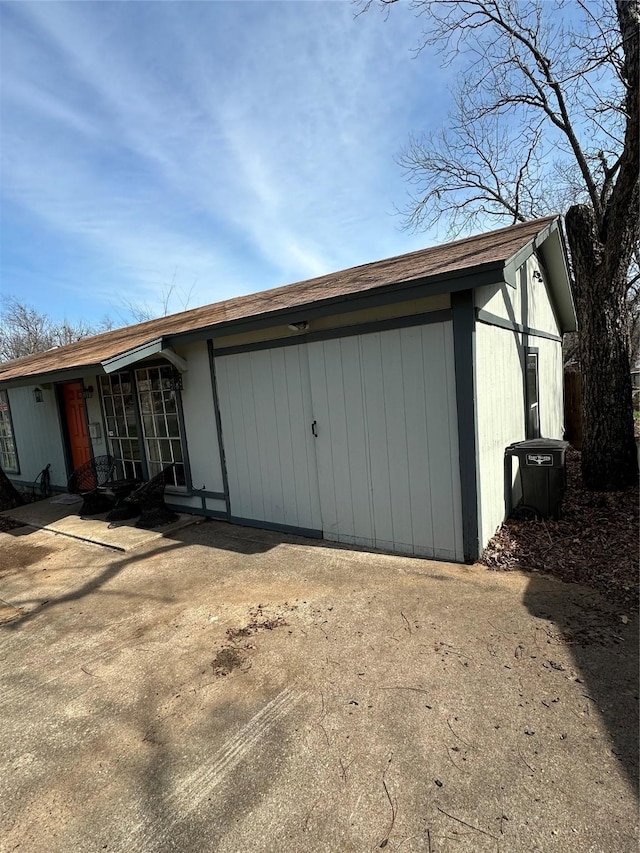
[[265, 407], [387, 450], [354, 437]]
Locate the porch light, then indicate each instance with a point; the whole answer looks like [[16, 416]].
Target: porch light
[[38, 394]]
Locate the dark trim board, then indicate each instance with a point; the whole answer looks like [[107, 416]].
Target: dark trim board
[[214, 496], [196, 510], [309, 532], [218, 416], [463, 348], [440, 316], [490, 319]]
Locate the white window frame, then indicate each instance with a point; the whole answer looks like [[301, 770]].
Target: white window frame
[[8, 449], [533, 406], [158, 438], [159, 409]]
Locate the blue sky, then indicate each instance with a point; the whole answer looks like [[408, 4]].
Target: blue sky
[[226, 147]]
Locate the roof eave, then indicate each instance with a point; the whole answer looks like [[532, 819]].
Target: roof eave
[[467, 279], [549, 241], [66, 374], [554, 253]]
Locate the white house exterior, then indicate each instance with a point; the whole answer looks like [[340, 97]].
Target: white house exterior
[[370, 407]]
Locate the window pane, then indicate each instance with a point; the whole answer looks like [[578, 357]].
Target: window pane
[[160, 424], [161, 427], [8, 456], [533, 409], [172, 426]]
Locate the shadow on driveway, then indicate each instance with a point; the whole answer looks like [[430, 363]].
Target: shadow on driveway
[[605, 652]]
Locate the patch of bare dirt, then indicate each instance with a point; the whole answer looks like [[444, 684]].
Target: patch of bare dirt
[[229, 659], [594, 543], [236, 655]]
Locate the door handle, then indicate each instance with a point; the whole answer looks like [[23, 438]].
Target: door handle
[[314, 429]]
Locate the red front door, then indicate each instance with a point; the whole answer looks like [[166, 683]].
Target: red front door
[[76, 423]]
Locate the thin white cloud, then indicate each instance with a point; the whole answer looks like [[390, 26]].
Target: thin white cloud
[[211, 139]]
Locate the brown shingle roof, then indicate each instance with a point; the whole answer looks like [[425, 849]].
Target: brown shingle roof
[[494, 247]]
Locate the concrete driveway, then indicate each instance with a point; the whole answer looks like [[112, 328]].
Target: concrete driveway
[[226, 689]]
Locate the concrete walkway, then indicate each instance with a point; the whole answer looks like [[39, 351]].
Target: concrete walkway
[[59, 514], [225, 689]]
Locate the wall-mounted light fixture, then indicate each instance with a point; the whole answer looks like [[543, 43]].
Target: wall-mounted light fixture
[[537, 276], [38, 394], [301, 326], [88, 392]]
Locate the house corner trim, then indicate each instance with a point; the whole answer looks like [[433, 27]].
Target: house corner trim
[[463, 311]]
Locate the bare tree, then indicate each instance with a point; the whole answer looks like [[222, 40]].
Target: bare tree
[[170, 298], [25, 330], [545, 118]]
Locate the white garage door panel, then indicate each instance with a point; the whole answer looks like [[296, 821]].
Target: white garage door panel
[[341, 446], [265, 407], [387, 440]]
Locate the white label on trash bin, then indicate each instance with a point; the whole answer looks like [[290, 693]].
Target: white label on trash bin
[[539, 459]]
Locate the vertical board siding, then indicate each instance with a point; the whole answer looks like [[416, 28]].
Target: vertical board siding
[[500, 401], [551, 386], [500, 418], [200, 429], [539, 310], [379, 479], [383, 471], [265, 408], [418, 442], [530, 304], [387, 440], [38, 435]]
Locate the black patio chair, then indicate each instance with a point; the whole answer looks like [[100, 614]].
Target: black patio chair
[[85, 481], [147, 501]]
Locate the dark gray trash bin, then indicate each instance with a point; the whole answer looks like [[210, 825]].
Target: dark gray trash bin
[[542, 474]]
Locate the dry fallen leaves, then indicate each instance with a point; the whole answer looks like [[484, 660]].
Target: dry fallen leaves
[[594, 543]]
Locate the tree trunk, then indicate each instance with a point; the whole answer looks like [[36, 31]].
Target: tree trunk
[[609, 456], [9, 497]]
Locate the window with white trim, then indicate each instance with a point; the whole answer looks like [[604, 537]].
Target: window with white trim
[[532, 389], [141, 416], [118, 398], [8, 454], [160, 421]]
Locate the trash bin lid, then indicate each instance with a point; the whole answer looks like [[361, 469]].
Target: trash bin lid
[[539, 452], [543, 444]]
